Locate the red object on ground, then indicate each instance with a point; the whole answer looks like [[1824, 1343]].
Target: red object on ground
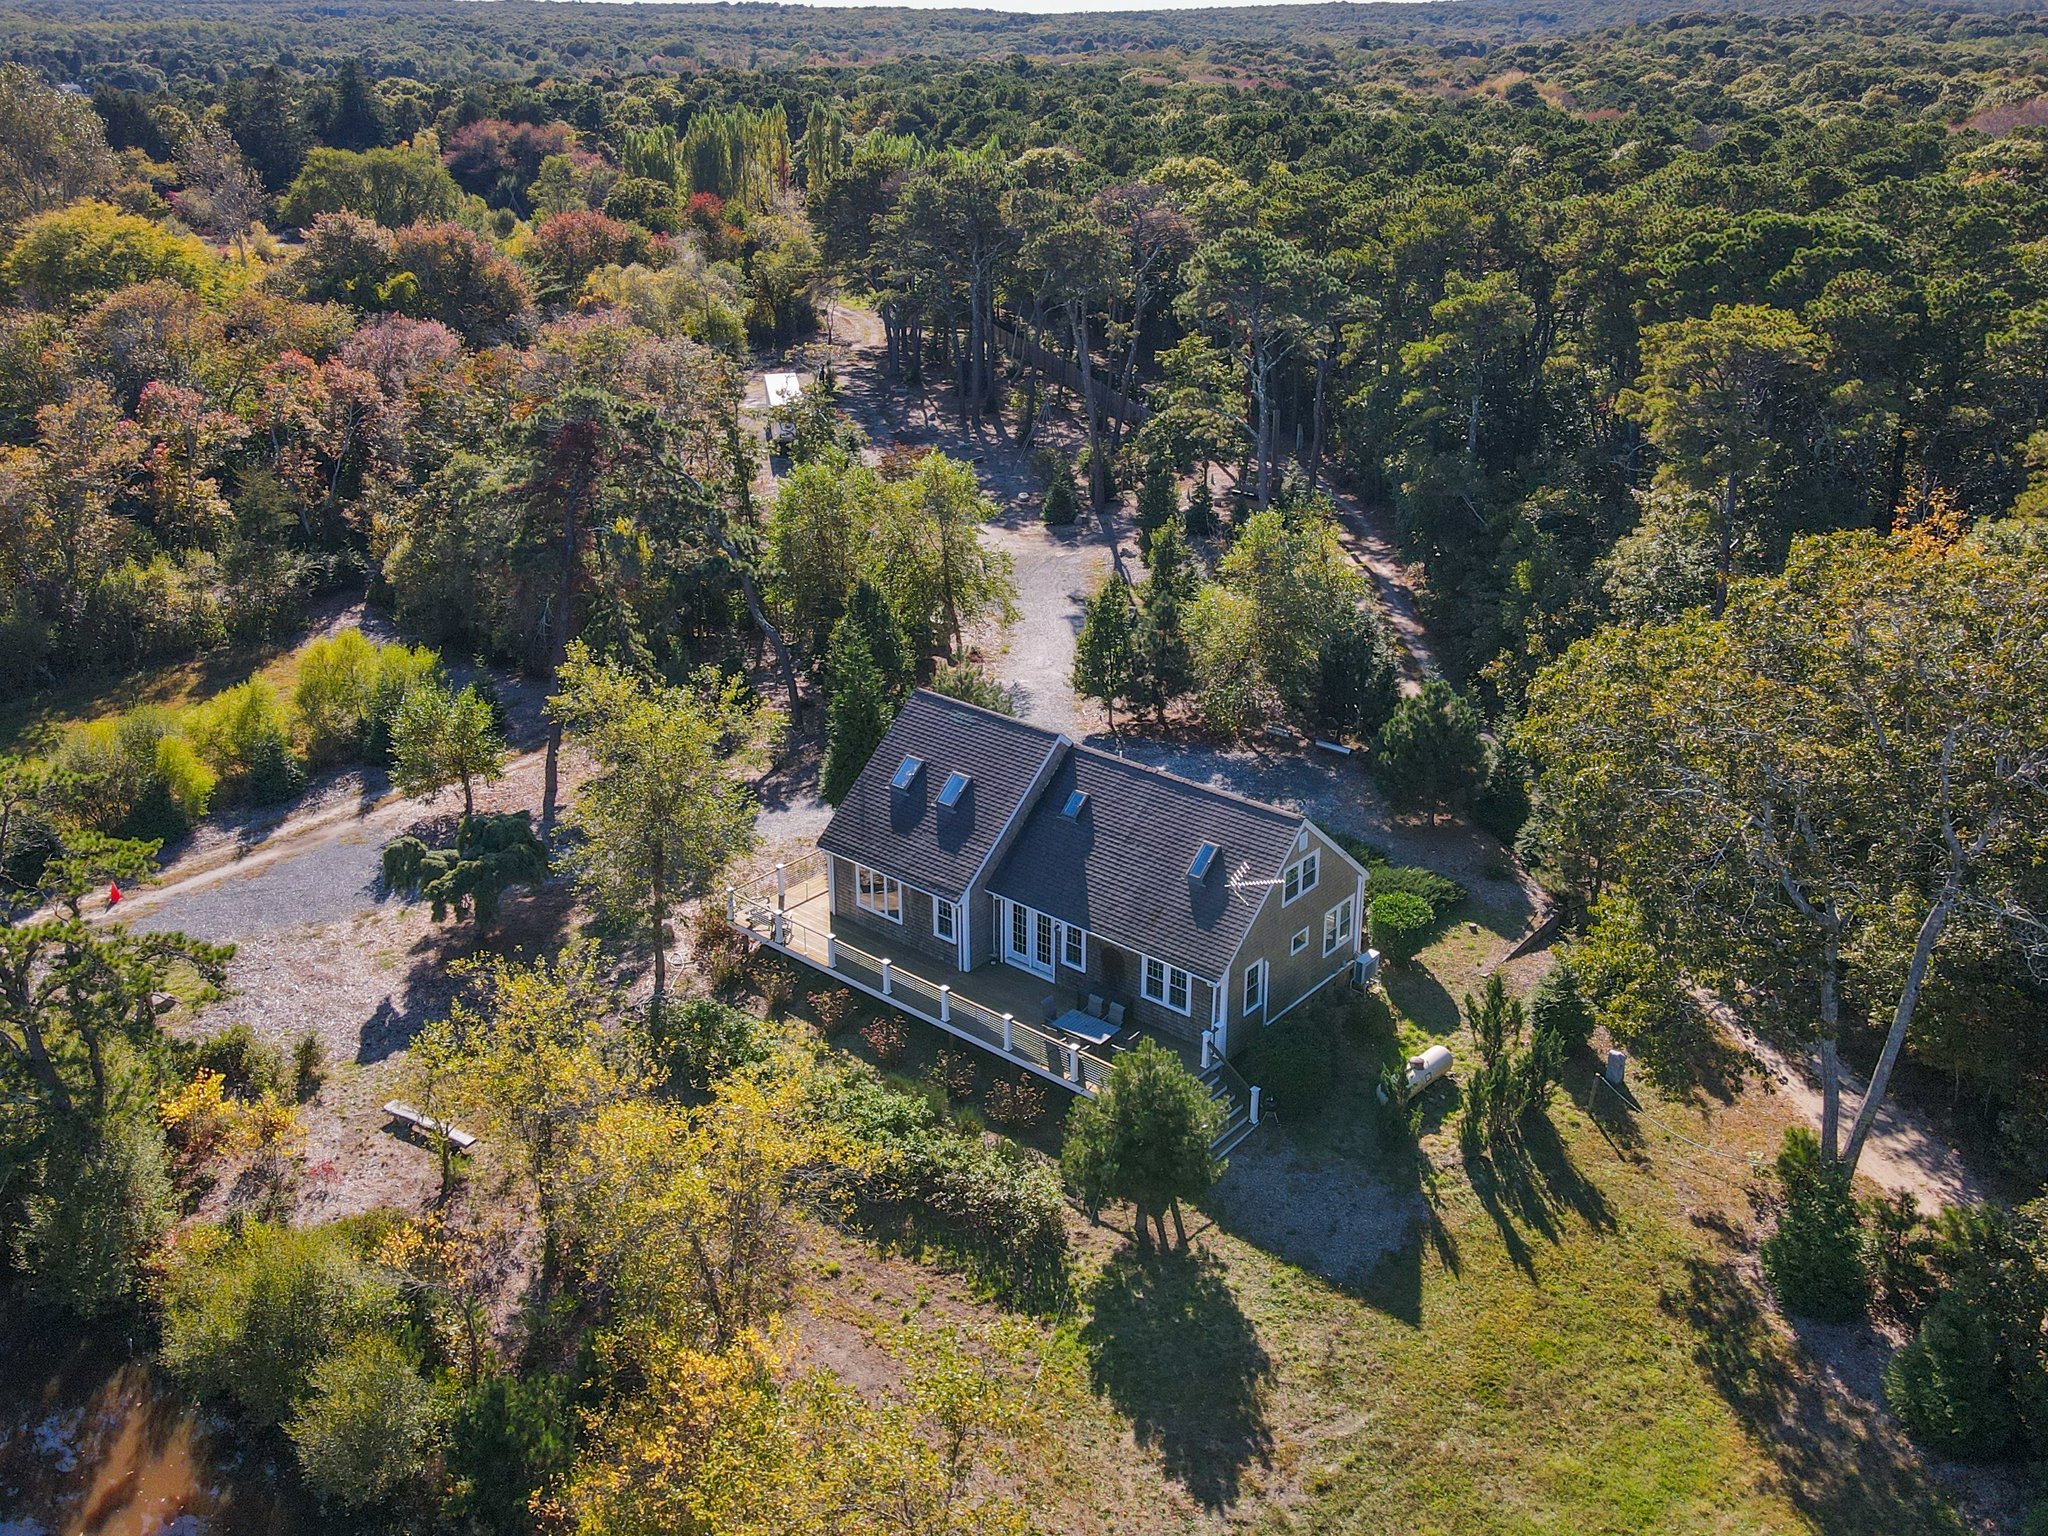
[[113, 895]]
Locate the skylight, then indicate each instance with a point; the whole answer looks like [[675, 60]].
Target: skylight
[[1204, 857], [907, 774], [956, 786], [1077, 802]]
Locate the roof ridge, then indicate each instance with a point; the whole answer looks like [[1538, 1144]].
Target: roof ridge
[[1195, 784], [947, 701]]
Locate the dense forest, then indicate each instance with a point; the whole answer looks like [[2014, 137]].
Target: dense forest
[[1697, 362]]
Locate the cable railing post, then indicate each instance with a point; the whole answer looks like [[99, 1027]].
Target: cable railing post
[[888, 976], [1009, 1034], [1255, 1104], [945, 1003], [782, 885]]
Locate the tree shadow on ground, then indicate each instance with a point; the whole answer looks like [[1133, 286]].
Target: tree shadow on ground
[[1422, 999], [1836, 1462], [1530, 1185], [530, 922], [1171, 1349]]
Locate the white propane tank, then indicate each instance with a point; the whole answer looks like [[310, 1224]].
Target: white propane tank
[[1617, 1066], [1427, 1068]]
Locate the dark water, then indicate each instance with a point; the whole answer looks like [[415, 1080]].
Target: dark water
[[94, 1442]]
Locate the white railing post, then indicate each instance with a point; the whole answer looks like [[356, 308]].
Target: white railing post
[[945, 1003], [732, 903], [1255, 1103], [888, 976], [778, 928], [1208, 1060], [781, 885], [831, 951], [1009, 1033], [1073, 1061]]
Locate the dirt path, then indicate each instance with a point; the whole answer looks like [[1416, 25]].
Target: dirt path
[[1370, 541], [1904, 1155]]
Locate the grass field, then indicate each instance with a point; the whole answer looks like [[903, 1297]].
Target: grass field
[[1567, 1341]]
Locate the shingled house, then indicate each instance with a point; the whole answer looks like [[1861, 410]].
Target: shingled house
[[983, 850]]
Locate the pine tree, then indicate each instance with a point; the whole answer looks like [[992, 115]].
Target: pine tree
[[858, 715], [1158, 499], [1430, 751], [868, 616], [1106, 661], [1166, 666]]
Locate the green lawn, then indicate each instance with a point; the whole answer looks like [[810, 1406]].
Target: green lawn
[[1565, 1345]]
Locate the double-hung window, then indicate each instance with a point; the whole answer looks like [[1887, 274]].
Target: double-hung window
[[945, 920], [1167, 985], [1254, 987], [1073, 947], [1337, 925], [878, 893], [1301, 877]]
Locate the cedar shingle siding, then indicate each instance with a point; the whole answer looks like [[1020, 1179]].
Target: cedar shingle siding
[[916, 928], [1120, 869]]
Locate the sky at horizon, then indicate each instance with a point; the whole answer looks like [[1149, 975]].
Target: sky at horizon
[[1027, 7]]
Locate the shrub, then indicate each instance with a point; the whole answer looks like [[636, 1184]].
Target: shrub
[[954, 1074], [1502, 804], [774, 983], [702, 1040], [1000, 1204], [1062, 501], [492, 854], [833, 1010], [1814, 1260], [249, 1067], [887, 1038], [1945, 1385], [1899, 1253], [368, 1425], [511, 1437], [348, 691], [1558, 1013], [99, 1206], [309, 1066], [1016, 1102], [244, 735], [976, 685], [248, 1315], [1295, 1063], [1399, 925], [719, 947], [1441, 892]]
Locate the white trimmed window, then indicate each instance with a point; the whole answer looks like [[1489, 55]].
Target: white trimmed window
[[945, 920], [878, 893], [1337, 925], [1167, 985], [1299, 942], [1254, 986], [1073, 947], [1301, 877]]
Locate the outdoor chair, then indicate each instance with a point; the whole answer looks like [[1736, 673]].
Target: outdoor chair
[[1048, 1008], [1093, 1008], [1115, 1016]]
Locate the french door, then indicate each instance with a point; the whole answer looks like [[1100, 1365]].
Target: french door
[[1028, 940]]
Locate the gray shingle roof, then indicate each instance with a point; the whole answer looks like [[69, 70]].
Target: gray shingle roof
[[1121, 869], [906, 833]]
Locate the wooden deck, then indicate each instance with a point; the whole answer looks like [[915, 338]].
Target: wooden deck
[[995, 1006]]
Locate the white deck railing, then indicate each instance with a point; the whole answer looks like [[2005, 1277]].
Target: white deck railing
[[761, 908]]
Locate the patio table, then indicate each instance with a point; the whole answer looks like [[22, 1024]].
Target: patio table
[[1084, 1027]]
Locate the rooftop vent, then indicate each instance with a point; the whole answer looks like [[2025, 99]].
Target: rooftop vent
[[956, 786], [1204, 857], [907, 774], [1077, 802]]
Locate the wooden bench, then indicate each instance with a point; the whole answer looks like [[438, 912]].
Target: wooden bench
[[458, 1138]]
